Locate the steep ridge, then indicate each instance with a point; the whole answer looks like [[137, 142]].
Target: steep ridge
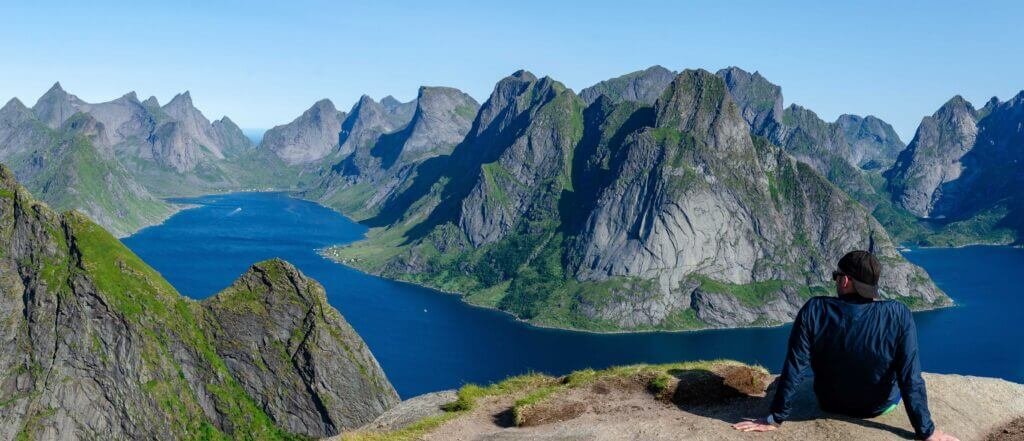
[[644, 86], [100, 346], [874, 144], [624, 216], [308, 138], [933, 156], [67, 169], [962, 172], [836, 150], [368, 176], [176, 136]]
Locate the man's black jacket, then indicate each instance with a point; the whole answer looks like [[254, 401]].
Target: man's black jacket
[[864, 357]]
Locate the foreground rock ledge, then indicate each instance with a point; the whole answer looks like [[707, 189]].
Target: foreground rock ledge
[[973, 408]]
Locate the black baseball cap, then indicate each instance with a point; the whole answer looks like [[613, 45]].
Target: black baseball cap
[[863, 269]]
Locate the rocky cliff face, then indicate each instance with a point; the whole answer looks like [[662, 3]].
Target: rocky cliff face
[[874, 144], [100, 346], [933, 157], [308, 138], [993, 171], [69, 170], [369, 119], [386, 163], [176, 136], [841, 151], [963, 168], [644, 86], [629, 216]]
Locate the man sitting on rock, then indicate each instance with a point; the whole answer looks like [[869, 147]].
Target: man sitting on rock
[[863, 352]]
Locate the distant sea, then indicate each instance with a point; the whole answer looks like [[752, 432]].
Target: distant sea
[[428, 341], [254, 135]]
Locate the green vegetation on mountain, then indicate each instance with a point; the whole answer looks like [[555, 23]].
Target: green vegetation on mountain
[[100, 345], [576, 217]]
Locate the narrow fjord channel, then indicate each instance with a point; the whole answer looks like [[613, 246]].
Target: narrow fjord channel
[[428, 341]]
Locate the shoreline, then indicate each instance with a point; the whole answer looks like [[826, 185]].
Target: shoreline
[[461, 297]]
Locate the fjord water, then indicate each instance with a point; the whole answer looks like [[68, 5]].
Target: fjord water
[[427, 341]]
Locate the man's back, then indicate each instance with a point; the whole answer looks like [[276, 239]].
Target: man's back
[[853, 353], [864, 357]]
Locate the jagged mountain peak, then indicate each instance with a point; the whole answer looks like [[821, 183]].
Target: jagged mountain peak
[[152, 102], [698, 102], [523, 75], [14, 105], [311, 136], [643, 86], [324, 105], [512, 96], [760, 100], [180, 101], [56, 105]]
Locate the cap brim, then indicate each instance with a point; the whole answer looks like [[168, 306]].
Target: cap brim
[[864, 289]]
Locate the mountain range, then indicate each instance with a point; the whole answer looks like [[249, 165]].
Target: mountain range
[[654, 200], [624, 215]]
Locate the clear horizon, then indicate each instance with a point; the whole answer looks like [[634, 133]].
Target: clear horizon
[[264, 64]]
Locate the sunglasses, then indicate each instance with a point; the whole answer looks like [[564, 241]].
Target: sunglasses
[[837, 274]]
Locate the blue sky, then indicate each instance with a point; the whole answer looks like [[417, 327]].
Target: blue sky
[[262, 64]]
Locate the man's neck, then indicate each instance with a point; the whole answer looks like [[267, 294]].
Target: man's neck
[[853, 297]]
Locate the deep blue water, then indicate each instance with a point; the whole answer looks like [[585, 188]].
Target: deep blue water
[[428, 341]]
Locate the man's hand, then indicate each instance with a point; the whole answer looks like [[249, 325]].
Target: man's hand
[[761, 425], [939, 435]]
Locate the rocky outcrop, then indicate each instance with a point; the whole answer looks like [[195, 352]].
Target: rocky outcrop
[[933, 157], [98, 345], [293, 352], [759, 100], [369, 119], [694, 196], [176, 136], [644, 86], [308, 138], [626, 216], [694, 401], [837, 150], [387, 162], [874, 144]]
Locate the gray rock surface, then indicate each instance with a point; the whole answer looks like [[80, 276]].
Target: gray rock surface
[[98, 345], [644, 86], [634, 217], [308, 138], [933, 157], [874, 144], [410, 411], [836, 150], [386, 162]]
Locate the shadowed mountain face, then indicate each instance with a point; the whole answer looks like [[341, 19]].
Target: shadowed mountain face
[[308, 138], [643, 86], [836, 150], [964, 169], [627, 216], [933, 157], [384, 147], [99, 345]]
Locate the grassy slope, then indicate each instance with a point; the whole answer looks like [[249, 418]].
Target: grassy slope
[[149, 304], [532, 389]]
